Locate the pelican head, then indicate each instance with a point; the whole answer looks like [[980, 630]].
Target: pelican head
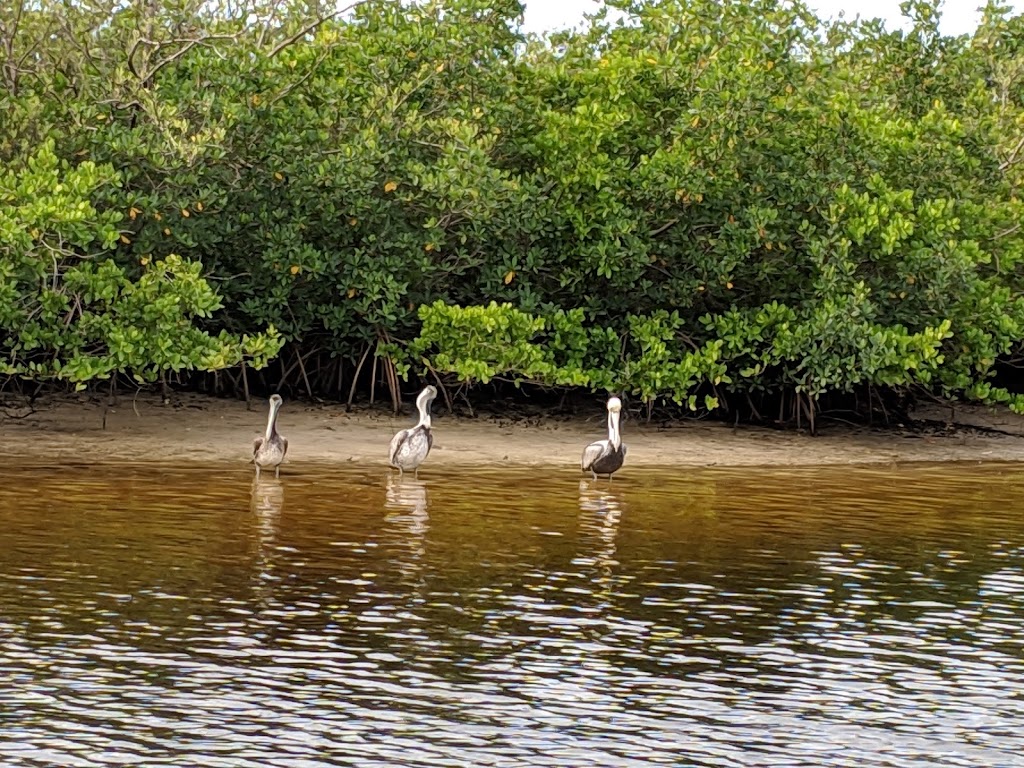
[[275, 406], [423, 401], [614, 409]]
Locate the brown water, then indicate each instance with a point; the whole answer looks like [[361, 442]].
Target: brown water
[[834, 617]]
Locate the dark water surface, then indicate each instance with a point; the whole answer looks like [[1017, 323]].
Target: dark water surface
[[829, 617]]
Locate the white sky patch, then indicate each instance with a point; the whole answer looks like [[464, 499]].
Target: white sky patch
[[958, 16]]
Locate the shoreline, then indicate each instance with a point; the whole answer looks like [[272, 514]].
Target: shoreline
[[194, 428]]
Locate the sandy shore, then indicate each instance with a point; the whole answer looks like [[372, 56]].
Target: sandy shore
[[196, 428]]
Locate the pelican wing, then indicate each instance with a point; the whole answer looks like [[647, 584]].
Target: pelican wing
[[396, 445], [256, 445], [284, 447], [592, 453]]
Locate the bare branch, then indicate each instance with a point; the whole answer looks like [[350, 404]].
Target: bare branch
[[187, 44], [173, 57], [1006, 232], [9, 34], [292, 86], [668, 225], [309, 28], [1013, 155], [131, 58]]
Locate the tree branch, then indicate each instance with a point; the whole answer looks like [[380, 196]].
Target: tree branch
[[309, 28], [668, 225], [292, 86], [1013, 155], [1006, 232], [187, 45]]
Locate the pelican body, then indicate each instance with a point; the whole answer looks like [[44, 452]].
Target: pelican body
[[269, 450], [605, 457], [410, 446]]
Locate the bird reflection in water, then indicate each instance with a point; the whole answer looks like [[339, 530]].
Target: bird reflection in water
[[406, 504], [266, 502], [599, 525]]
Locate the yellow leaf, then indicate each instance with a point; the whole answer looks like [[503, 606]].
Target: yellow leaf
[[911, 279], [157, 216], [353, 222], [729, 285], [278, 175], [699, 197], [199, 205], [768, 245], [125, 240], [651, 60], [695, 122], [35, 234], [351, 292], [439, 67], [185, 213], [769, 65], [133, 212], [391, 186], [700, 288], [510, 276], [167, 230], [428, 247], [144, 260], [255, 99], [294, 270], [410, 54]]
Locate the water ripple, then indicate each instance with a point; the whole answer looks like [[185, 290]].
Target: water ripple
[[801, 618]]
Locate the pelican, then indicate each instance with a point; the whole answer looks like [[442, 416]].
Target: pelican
[[410, 446], [269, 450], [606, 456]]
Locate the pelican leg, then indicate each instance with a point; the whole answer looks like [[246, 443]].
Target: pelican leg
[[257, 471], [277, 471], [594, 474]]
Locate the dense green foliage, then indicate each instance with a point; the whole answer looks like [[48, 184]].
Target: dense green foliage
[[710, 203]]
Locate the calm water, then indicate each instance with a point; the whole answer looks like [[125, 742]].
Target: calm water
[[834, 617]]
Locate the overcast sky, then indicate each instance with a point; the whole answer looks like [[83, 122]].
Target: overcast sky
[[959, 16]]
